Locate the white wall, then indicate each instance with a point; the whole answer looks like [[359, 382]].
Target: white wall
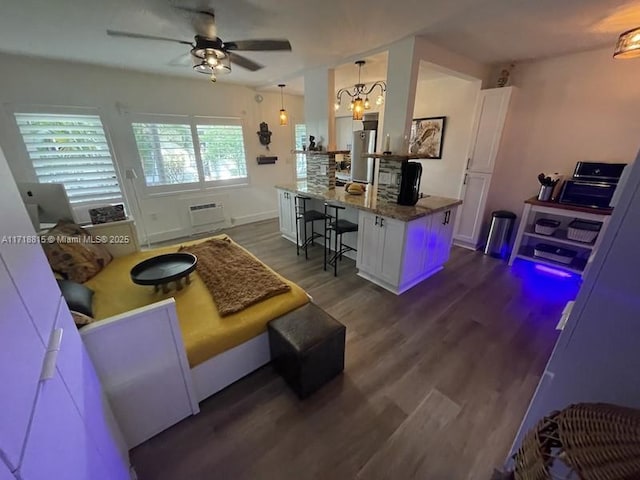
[[455, 99], [579, 107], [28, 81]]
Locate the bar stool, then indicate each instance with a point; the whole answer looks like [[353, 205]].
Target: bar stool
[[334, 224], [308, 216]]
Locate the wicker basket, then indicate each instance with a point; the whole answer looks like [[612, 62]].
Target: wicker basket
[[583, 231], [595, 440], [546, 226]]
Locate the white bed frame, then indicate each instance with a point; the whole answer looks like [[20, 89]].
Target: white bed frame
[[142, 364]]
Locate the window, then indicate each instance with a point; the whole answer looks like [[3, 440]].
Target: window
[[169, 155], [301, 160], [166, 152], [72, 150], [222, 152]]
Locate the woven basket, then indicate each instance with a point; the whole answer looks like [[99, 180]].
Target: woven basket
[[597, 441]]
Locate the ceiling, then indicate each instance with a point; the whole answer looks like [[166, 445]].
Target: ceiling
[[327, 33]]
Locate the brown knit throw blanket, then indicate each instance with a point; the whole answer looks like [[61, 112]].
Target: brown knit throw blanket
[[234, 278]]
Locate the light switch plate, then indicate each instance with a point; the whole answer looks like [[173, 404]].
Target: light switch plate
[[323, 169], [385, 178], [394, 179]]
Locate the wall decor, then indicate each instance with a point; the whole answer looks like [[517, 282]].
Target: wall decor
[[264, 134], [427, 137], [111, 213]]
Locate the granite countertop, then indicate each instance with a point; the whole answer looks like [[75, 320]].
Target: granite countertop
[[367, 202]]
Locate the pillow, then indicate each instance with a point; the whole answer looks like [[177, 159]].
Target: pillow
[[73, 253], [81, 319], [78, 297]]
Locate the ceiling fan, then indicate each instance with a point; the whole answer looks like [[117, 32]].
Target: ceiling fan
[[210, 54]]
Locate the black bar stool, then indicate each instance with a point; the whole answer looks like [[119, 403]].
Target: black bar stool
[[334, 224], [307, 216]]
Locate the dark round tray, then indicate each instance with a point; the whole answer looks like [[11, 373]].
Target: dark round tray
[[164, 268]]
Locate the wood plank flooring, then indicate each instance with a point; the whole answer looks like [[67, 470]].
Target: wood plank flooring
[[435, 385]]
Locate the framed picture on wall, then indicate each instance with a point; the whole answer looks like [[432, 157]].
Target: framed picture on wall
[[427, 136]]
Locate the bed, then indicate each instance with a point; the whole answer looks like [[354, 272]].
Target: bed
[[159, 355]]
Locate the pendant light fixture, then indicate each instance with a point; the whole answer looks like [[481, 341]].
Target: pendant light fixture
[[628, 45], [358, 105], [284, 118]]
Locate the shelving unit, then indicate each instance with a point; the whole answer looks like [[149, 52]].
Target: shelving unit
[[527, 238]]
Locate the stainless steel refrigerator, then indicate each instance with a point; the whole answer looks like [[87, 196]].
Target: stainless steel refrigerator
[[364, 141]]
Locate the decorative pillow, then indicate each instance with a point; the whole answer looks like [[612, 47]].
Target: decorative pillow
[[78, 297], [73, 253], [81, 319]]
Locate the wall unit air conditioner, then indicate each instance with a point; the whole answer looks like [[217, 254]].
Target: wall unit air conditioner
[[206, 214]]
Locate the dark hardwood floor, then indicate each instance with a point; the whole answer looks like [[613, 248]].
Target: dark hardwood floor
[[435, 384]]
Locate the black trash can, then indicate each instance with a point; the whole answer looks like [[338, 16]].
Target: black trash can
[[500, 234]]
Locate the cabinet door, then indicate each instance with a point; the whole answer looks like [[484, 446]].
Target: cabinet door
[[368, 257], [391, 249], [433, 254], [81, 379], [25, 259], [471, 212], [493, 107], [445, 235], [21, 356], [58, 445], [5, 472], [286, 210], [416, 248]]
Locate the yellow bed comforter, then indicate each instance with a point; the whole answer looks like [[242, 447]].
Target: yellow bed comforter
[[204, 332]]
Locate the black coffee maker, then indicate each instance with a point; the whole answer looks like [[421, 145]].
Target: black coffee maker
[[410, 183]]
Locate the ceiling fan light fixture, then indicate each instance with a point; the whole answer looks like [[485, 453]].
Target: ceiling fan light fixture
[[223, 65], [628, 45], [203, 67], [284, 117]]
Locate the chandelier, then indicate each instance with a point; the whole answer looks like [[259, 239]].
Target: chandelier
[[359, 104], [628, 45]]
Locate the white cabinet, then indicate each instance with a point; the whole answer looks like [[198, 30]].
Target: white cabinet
[[440, 237], [59, 445], [5, 472], [21, 356], [287, 214], [398, 255], [469, 225], [492, 112], [380, 241], [48, 428]]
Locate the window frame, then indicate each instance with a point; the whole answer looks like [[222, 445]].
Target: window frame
[[46, 109], [298, 156], [191, 121]]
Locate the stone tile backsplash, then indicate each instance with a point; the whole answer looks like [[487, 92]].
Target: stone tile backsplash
[[315, 162], [389, 193]]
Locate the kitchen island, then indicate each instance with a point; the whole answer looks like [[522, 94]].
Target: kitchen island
[[397, 246]]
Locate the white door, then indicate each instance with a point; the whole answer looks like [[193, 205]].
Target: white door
[[492, 112], [391, 248], [368, 255], [82, 381], [21, 355], [59, 445], [471, 212], [5, 472]]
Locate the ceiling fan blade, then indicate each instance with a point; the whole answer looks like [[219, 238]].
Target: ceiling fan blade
[[244, 62], [184, 60], [115, 33], [195, 10], [259, 45]]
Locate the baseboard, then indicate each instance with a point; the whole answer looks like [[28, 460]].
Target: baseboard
[[467, 245], [164, 236], [235, 221]]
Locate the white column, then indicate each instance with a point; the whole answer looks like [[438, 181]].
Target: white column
[[319, 92], [402, 76]]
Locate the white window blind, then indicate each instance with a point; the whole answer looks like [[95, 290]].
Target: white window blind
[[72, 150], [166, 152], [301, 160], [222, 152]]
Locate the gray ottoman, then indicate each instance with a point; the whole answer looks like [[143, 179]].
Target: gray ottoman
[[307, 348]]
